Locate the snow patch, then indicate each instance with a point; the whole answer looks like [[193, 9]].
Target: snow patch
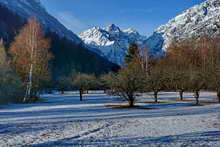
[[111, 41]]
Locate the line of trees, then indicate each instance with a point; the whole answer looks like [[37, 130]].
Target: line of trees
[[197, 62], [190, 65], [81, 82]]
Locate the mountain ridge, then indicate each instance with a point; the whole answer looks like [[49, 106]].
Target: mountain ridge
[[200, 19], [27, 9], [111, 41]]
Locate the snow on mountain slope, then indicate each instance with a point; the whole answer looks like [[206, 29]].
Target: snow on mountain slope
[[28, 8], [202, 18], [111, 41]]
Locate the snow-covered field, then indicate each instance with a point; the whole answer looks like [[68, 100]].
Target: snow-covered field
[[65, 121]]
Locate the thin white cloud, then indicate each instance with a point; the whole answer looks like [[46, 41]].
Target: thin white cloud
[[71, 21]]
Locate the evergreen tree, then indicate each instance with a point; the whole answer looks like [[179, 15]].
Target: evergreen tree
[[3, 56], [10, 84], [133, 52]]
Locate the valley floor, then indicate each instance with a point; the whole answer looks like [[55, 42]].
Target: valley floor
[[65, 121]]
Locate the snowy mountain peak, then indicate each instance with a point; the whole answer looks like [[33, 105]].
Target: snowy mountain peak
[[112, 28], [131, 31], [202, 18], [111, 41]]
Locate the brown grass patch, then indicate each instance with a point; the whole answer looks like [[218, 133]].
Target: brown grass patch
[[201, 101], [178, 100], [209, 101], [121, 106], [159, 102]]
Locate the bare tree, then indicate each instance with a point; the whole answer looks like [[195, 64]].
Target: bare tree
[[63, 84], [213, 80], [189, 60], [176, 64], [211, 60], [30, 56], [129, 82], [156, 80], [143, 59], [106, 81], [208, 60], [197, 83], [83, 82], [177, 80]]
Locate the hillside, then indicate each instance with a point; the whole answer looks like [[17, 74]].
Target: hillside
[[70, 53], [200, 19]]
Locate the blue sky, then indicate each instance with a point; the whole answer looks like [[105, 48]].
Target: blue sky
[[143, 15]]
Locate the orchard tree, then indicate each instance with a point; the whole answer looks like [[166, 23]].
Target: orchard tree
[[176, 64], [156, 80], [205, 59], [83, 82], [30, 57], [211, 52], [197, 83], [176, 79], [129, 82], [179, 81], [106, 81], [64, 84], [213, 80]]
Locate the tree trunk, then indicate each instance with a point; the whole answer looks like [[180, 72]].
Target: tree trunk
[[156, 96], [181, 95], [131, 102], [218, 95], [35, 96], [29, 85], [81, 93], [196, 95]]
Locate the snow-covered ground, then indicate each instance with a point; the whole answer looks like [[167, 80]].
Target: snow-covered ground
[[65, 121]]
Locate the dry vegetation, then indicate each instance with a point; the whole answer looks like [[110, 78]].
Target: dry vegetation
[[190, 65]]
